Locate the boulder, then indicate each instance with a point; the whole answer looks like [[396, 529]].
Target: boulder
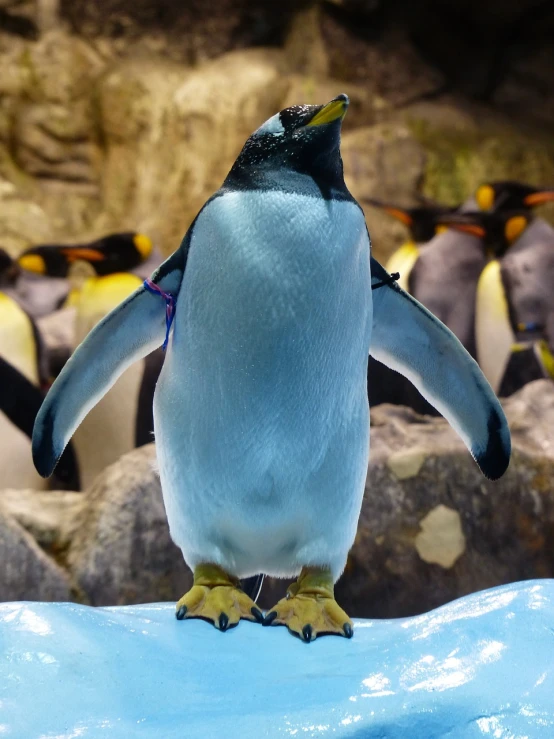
[[432, 528], [27, 573], [480, 666], [120, 550]]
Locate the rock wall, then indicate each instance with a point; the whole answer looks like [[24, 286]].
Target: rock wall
[[124, 116]]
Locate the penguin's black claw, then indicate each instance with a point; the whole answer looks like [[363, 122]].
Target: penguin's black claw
[[307, 633], [181, 613], [223, 621], [270, 618], [348, 631], [258, 615]]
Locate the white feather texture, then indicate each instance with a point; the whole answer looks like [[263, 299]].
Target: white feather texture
[[261, 411]]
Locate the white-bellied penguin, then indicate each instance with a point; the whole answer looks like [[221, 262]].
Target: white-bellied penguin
[[23, 375], [514, 303], [261, 412]]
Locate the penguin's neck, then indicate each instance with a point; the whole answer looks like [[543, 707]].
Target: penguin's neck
[[321, 176]]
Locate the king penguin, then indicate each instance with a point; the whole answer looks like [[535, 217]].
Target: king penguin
[[514, 327], [421, 223], [261, 412], [23, 375], [120, 252]]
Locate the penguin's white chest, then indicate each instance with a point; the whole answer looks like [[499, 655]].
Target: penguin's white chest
[[261, 410]]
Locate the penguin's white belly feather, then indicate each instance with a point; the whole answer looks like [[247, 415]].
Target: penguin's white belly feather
[[261, 412]]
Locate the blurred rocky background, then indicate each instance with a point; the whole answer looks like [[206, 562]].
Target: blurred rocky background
[[118, 115], [122, 116]]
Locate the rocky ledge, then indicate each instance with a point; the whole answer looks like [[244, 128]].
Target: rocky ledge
[[431, 528]]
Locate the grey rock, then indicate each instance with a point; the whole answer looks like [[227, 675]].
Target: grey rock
[[419, 467], [121, 551], [27, 573], [46, 515]]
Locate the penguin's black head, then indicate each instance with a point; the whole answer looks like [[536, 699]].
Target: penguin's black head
[[9, 271], [420, 220], [302, 139], [511, 195], [113, 253], [498, 229]]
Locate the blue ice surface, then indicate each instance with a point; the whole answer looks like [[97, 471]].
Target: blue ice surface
[[482, 666]]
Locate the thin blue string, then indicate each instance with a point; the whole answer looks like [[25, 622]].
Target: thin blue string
[[169, 307]]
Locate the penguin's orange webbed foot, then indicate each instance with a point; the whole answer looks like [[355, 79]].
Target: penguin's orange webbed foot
[[310, 609], [216, 597]]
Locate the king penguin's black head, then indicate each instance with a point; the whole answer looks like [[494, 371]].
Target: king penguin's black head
[[512, 195], [9, 271], [113, 253], [300, 140]]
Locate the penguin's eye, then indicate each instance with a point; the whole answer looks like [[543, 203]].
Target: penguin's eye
[[294, 117], [273, 126], [514, 227]]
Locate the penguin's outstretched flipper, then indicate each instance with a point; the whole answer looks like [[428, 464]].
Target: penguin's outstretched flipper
[[131, 331], [410, 340]]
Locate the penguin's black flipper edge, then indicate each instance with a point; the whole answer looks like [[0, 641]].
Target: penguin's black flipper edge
[[131, 331], [409, 339]]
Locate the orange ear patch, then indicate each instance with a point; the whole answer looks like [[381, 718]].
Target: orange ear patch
[[90, 255], [514, 227]]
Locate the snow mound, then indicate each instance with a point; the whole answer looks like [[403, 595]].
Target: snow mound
[[482, 666]]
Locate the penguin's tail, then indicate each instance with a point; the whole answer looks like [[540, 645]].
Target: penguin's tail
[[131, 331]]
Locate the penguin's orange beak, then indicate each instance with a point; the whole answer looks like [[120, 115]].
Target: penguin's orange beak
[[469, 228], [538, 198]]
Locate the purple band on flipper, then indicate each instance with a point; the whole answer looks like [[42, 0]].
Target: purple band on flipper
[[169, 306]]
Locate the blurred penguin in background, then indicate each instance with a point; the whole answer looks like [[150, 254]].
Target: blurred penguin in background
[[512, 195], [123, 419], [421, 224], [120, 252], [514, 323], [23, 379]]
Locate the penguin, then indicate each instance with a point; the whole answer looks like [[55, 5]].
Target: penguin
[[511, 195], [9, 270], [20, 401], [268, 310], [118, 252], [23, 375], [445, 276], [421, 223], [514, 331]]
